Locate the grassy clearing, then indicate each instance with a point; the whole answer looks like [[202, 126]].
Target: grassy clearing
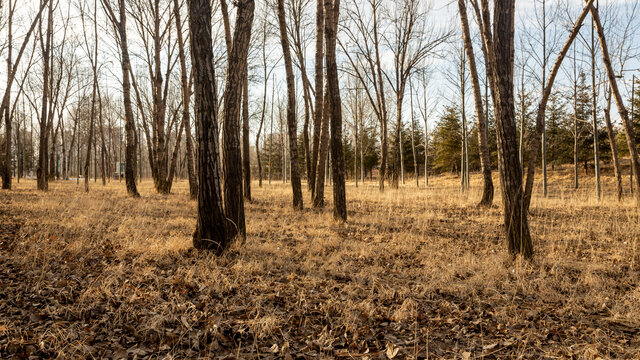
[[419, 273]]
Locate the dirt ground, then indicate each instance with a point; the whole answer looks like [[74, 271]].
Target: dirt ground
[[414, 274]]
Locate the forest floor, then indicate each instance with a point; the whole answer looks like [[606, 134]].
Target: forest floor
[[415, 273]]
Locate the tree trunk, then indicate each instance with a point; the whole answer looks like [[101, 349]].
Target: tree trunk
[[413, 137], [291, 109], [575, 122], [540, 116], [624, 115], [542, 79], [211, 230], [483, 141], [337, 157], [614, 147], [319, 96], [120, 24], [501, 54], [246, 156], [186, 99], [234, 205], [318, 198], [43, 156], [397, 146], [5, 164], [594, 115]]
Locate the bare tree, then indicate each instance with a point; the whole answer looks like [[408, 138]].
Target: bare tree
[[332, 10], [44, 120], [267, 71], [363, 53], [499, 52], [614, 148], [297, 32], [185, 82], [119, 23], [232, 164], [624, 115], [92, 54], [319, 94], [154, 26], [411, 40], [12, 67], [211, 228], [291, 108], [487, 192], [542, 105]]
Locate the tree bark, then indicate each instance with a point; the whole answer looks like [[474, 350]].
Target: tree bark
[[43, 168], [332, 10], [319, 96], [234, 205], [211, 229], [246, 156], [291, 109], [318, 197], [500, 53]]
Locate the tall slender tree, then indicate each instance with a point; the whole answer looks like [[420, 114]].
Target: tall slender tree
[[332, 11], [185, 82], [485, 162], [291, 108], [119, 22]]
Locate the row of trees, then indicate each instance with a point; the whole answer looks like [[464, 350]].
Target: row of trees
[[174, 71]]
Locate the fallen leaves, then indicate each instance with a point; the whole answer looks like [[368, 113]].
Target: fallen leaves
[[402, 286]]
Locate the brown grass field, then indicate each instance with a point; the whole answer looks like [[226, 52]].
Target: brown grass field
[[414, 274]]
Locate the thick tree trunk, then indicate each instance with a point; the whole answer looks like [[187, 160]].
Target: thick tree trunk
[[234, 204], [211, 230], [515, 214], [483, 141]]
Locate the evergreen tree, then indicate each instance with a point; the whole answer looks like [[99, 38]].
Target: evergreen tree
[[635, 116], [447, 140]]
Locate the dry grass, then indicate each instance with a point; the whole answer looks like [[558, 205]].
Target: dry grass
[[420, 271]]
